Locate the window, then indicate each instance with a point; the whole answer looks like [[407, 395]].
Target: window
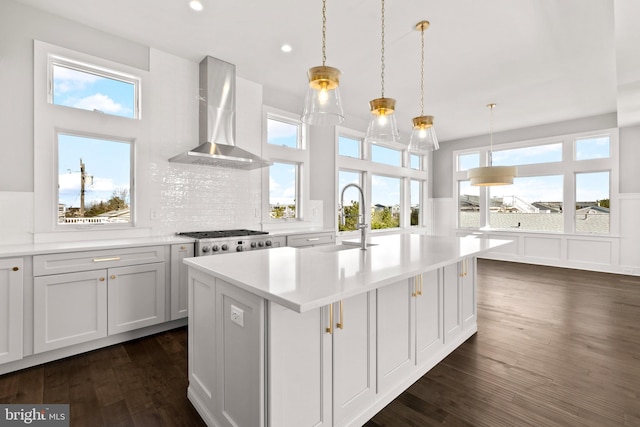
[[531, 203], [565, 184], [283, 190], [93, 88], [528, 155], [94, 180], [285, 184], [394, 183], [468, 205], [592, 202], [349, 147], [592, 148], [282, 133], [416, 203], [387, 156], [385, 202]]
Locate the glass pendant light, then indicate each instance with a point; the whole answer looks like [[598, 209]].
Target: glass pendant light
[[322, 105], [423, 137], [491, 175], [383, 128]]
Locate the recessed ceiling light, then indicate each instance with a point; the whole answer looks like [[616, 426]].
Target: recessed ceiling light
[[286, 48], [196, 5]]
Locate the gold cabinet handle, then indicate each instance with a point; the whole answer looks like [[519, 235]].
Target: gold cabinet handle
[[16, 268], [183, 248], [329, 330], [415, 288], [113, 276], [419, 285], [313, 239], [340, 323], [101, 279], [115, 258]]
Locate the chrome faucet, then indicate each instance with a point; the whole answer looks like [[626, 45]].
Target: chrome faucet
[[361, 225]]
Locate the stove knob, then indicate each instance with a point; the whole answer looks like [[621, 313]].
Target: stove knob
[[225, 247], [239, 248], [268, 243], [215, 248], [206, 249], [261, 243], [253, 244]]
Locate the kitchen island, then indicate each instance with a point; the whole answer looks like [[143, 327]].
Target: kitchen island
[[325, 336]]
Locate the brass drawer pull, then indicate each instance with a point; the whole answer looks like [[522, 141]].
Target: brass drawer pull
[[340, 323], [101, 279], [329, 330], [113, 276], [16, 268], [313, 239], [115, 258]]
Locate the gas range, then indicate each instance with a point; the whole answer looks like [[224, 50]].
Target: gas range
[[226, 241]]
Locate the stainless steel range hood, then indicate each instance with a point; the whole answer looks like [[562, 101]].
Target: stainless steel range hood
[[218, 121]]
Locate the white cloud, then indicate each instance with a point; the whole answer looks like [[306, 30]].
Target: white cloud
[[67, 80], [99, 102]]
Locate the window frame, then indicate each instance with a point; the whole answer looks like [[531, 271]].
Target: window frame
[[568, 168], [49, 119], [368, 168], [85, 67], [282, 154]]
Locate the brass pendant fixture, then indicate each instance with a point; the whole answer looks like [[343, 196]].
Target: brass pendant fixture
[[423, 137], [491, 175], [322, 105], [383, 128]]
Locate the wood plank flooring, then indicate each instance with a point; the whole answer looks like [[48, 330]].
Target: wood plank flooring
[[555, 347]]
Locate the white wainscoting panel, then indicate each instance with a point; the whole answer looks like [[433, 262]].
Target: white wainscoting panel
[[543, 247]]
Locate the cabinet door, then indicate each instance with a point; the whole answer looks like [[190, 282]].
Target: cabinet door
[[179, 274], [299, 368], [136, 297], [396, 333], [468, 285], [11, 283], [428, 316], [452, 303], [354, 357], [69, 309]]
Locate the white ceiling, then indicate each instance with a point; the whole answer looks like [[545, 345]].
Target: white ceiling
[[540, 61]]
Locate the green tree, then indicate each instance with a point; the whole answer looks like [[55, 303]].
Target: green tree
[[383, 218], [351, 214], [603, 203]]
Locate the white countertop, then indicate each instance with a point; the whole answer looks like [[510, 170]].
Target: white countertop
[[302, 279], [88, 245]]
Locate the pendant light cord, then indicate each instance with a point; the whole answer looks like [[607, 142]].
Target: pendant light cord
[[324, 32], [422, 75], [491, 133], [382, 53]]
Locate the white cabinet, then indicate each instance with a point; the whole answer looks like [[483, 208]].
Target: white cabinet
[[11, 324], [409, 327], [179, 272], [82, 301], [311, 239], [322, 363], [459, 298], [69, 309], [135, 297]]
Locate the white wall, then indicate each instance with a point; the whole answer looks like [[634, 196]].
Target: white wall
[[180, 197]]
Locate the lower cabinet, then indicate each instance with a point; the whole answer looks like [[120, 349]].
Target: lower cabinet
[[409, 327], [459, 298], [11, 324], [321, 364], [179, 301], [76, 307]]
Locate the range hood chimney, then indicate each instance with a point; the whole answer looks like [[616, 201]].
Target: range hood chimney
[[217, 121]]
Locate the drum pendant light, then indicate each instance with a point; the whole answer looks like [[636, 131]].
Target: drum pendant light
[[383, 128], [491, 175], [423, 137], [322, 105]]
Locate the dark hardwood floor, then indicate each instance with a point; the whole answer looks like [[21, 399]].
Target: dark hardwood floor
[[555, 347]]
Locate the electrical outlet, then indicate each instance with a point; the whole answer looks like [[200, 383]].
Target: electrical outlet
[[237, 316]]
